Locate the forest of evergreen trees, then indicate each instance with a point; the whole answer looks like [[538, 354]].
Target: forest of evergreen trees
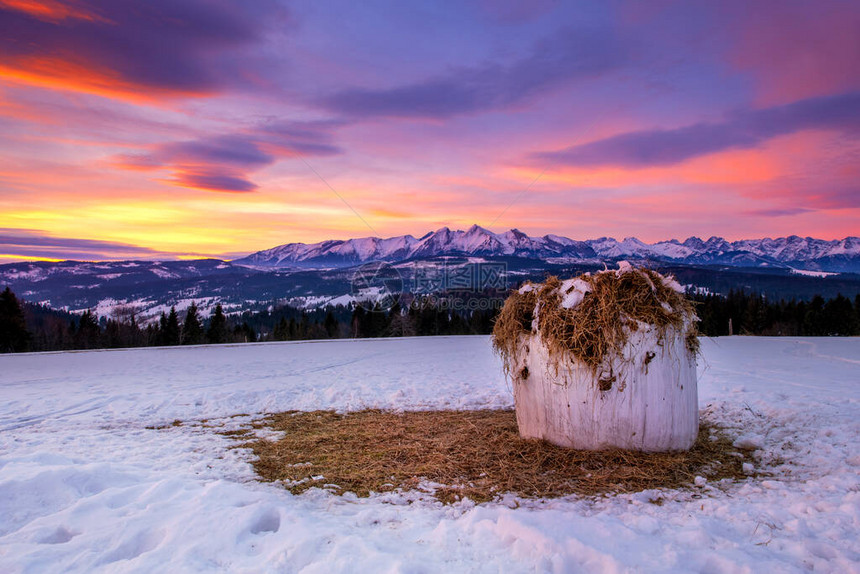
[[741, 313], [29, 327]]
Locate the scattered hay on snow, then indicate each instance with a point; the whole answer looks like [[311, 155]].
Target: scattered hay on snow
[[474, 454]]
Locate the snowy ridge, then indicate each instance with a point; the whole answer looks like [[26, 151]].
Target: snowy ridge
[[790, 252], [474, 241]]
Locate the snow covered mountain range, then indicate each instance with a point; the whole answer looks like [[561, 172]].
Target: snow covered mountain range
[[803, 253], [313, 275]]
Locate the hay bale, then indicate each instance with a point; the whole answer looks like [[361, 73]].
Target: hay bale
[[604, 360]]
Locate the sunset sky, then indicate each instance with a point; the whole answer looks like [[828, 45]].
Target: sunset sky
[[173, 128]]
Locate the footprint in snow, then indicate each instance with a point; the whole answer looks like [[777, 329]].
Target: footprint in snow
[[268, 521], [138, 544], [59, 536]]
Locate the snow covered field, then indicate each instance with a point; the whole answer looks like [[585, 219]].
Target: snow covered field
[[85, 486]]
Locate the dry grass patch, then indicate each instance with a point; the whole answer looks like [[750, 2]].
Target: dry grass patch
[[478, 454], [175, 423]]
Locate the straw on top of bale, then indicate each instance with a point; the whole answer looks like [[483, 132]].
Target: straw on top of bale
[[589, 318]]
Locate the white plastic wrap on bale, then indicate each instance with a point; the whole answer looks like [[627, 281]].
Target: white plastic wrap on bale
[[652, 404]]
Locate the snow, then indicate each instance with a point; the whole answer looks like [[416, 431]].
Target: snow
[[321, 301], [163, 273], [630, 246], [689, 287], [85, 486], [574, 291], [32, 274], [673, 284], [104, 308], [808, 273], [560, 240], [672, 249], [624, 267]]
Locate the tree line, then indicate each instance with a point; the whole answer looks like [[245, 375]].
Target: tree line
[[742, 313], [409, 317], [31, 327]]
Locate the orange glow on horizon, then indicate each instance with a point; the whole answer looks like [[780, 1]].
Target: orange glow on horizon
[[13, 258]]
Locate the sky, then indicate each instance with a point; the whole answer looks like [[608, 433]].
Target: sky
[[164, 129]]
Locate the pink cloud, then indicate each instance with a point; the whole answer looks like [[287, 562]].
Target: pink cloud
[[796, 49]]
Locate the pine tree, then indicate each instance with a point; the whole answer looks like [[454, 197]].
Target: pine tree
[[217, 332], [281, 330], [813, 322], [399, 323], [152, 335], [357, 322], [331, 325], [170, 331], [427, 319], [244, 333], [856, 328], [14, 336], [837, 316], [304, 327], [162, 327], [192, 332], [376, 322], [88, 331]]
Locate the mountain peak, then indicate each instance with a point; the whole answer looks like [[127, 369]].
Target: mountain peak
[[477, 229]]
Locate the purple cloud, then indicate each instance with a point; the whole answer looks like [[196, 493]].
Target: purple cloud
[[837, 196], [216, 164], [235, 150], [33, 242], [213, 181], [223, 163], [300, 138], [158, 45], [779, 212], [565, 57], [744, 129]]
